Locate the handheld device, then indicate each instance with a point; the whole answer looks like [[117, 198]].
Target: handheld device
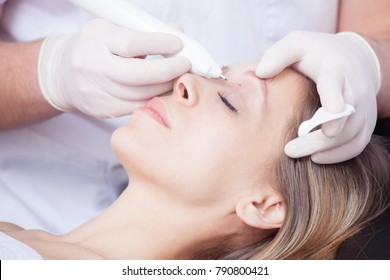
[[125, 14]]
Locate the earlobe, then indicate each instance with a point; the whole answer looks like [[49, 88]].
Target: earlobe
[[262, 211]]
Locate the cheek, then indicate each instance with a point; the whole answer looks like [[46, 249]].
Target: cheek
[[196, 163], [211, 160], [139, 151]]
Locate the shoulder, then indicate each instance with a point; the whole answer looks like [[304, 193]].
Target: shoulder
[[12, 248], [6, 227]]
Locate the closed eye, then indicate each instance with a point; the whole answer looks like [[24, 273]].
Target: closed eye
[[226, 102]]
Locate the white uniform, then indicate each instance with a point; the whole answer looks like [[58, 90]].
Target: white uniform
[[58, 173], [13, 249]]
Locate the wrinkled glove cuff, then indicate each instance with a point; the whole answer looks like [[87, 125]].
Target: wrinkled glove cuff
[[373, 54], [48, 72]]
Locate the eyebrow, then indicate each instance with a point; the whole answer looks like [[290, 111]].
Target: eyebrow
[[263, 83]]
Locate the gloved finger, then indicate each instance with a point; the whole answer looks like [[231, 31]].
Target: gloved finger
[[333, 128], [131, 43], [138, 93], [343, 152], [112, 107], [330, 85], [177, 26], [281, 55], [138, 72], [316, 142], [122, 109]]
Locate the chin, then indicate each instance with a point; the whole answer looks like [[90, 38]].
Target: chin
[[138, 154], [128, 146]]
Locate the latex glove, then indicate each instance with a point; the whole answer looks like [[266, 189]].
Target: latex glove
[[346, 70], [99, 71]]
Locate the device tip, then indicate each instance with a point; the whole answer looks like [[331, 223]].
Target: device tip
[[223, 77]]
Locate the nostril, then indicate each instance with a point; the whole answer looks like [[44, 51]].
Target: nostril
[[183, 91], [185, 94]]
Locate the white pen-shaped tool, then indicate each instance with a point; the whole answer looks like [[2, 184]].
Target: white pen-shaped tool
[[322, 116], [123, 13]]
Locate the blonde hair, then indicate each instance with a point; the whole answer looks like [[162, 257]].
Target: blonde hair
[[326, 204]]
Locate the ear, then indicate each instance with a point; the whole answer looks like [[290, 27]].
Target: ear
[[262, 210]]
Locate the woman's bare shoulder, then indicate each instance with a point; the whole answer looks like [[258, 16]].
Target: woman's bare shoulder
[[6, 227]]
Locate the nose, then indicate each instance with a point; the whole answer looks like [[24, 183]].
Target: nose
[[186, 89]]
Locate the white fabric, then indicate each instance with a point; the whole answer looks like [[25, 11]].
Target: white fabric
[[231, 30], [61, 172], [12, 249]]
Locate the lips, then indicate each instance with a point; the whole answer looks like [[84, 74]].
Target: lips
[[155, 108]]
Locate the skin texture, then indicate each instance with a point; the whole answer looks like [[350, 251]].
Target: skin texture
[[175, 206], [204, 130], [21, 101]]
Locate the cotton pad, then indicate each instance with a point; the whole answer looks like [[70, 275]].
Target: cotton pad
[[322, 116]]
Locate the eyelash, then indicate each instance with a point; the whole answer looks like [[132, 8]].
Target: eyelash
[[226, 102]]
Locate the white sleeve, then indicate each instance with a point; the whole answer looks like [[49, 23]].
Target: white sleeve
[[12, 249]]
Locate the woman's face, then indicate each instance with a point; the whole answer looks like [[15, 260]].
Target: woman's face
[[210, 139]]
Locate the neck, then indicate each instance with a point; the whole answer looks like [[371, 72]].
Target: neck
[[144, 224]]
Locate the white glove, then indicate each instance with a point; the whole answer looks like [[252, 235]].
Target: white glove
[[345, 69], [101, 72]]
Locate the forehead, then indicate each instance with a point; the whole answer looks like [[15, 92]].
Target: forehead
[[238, 69], [286, 91], [288, 86], [284, 94]]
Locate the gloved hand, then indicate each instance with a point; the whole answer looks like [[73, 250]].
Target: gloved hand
[[346, 70], [100, 71]]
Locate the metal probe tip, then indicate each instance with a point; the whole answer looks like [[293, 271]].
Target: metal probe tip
[[223, 77]]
